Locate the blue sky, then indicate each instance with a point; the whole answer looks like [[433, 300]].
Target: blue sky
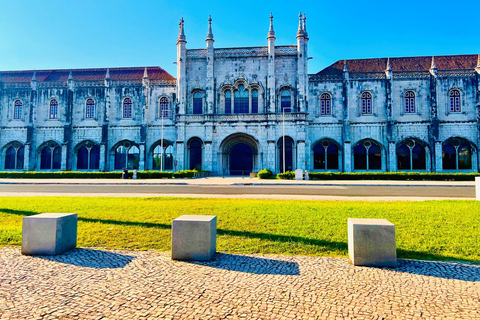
[[66, 34]]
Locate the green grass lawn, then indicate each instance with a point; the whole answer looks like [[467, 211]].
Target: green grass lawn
[[425, 230]]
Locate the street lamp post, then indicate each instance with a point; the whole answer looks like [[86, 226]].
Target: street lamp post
[[162, 111], [283, 113]]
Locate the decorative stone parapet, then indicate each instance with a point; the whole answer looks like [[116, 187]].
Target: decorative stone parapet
[[194, 237], [371, 242], [49, 233]]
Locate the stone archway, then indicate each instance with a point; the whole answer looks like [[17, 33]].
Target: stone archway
[[239, 154]]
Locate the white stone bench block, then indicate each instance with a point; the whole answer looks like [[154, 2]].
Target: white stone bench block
[[371, 242], [194, 237], [49, 233], [477, 187]]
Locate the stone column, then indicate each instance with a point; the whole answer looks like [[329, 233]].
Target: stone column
[[180, 155], [102, 157], [63, 166], [392, 157], [438, 156], [141, 165], [271, 156], [208, 156], [26, 158], [301, 155], [347, 157]]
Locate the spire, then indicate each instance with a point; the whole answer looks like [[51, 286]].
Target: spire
[[345, 66], [305, 25], [388, 70], [70, 76], [210, 34], [300, 32], [33, 82], [271, 32], [433, 68], [107, 75], [477, 68], [434, 65], [145, 73], [181, 32]]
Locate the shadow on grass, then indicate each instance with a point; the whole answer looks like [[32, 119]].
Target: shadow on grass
[[428, 268], [90, 258], [253, 265]]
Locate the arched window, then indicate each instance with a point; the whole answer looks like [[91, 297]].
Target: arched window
[[457, 154], [90, 108], [325, 155], [127, 108], [411, 155], [14, 157], [195, 149], [325, 104], [18, 109], [133, 158], [366, 103], [288, 154], [254, 101], [167, 157], [127, 155], [367, 155], [51, 157], [455, 101], [228, 102], [240, 102], [286, 100], [88, 156], [409, 102], [197, 103], [164, 107], [53, 109]]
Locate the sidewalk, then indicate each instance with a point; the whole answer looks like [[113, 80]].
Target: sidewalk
[[240, 181]]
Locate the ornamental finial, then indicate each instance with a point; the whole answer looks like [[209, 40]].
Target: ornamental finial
[[271, 32]]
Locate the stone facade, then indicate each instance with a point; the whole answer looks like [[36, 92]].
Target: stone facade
[[223, 113]]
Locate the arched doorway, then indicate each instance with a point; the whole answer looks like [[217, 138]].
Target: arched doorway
[[239, 154], [241, 159]]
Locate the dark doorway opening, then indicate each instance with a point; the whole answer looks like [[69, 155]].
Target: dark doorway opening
[[241, 159]]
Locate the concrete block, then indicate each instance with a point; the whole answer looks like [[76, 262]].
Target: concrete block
[[371, 242], [299, 174], [477, 187], [194, 237], [49, 233]]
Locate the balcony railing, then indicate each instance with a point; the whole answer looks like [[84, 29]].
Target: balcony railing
[[244, 117]]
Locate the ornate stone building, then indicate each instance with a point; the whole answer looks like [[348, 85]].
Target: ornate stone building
[[234, 110]]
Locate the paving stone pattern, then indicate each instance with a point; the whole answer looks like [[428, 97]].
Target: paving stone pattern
[[101, 284]]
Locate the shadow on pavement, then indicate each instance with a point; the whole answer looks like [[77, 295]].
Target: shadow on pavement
[[440, 269], [90, 258], [253, 265]]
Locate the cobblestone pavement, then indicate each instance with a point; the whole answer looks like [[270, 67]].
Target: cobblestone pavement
[[101, 284]]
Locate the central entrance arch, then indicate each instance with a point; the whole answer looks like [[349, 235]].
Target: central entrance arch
[[241, 159], [239, 154]]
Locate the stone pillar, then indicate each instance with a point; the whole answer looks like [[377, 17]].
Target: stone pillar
[[26, 158], [271, 156], [347, 157], [181, 69], [63, 166], [392, 157], [103, 166], [180, 158], [141, 165], [438, 156], [208, 156], [271, 94], [301, 155]]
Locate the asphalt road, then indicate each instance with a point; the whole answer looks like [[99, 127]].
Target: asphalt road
[[310, 190]]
